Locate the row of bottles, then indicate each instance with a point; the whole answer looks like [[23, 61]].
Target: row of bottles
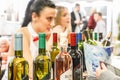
[[95, 38], [66, 62]]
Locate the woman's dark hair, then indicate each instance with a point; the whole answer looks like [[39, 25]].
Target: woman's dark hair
[[27, 17], [37, 6]]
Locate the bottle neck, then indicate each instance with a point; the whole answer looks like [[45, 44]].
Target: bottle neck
[[55, 39], [74, 47], [18, 45], [109, 35], [42, 51], [55, 44], [63, 48], [95, 36], [19, 54]]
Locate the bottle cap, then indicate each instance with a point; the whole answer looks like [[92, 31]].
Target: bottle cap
[[42, 41]]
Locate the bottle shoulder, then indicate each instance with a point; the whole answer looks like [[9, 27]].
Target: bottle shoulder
[[63, 56], [42, 57]]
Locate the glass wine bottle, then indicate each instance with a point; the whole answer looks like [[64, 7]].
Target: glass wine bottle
[[18, 68], [63, 63], [95, 36], [76, 58], [107, 42], [54, 50], [42, 63], [100, 36]]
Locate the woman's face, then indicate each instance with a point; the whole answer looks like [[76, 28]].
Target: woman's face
[[65, 18], [45, 20]]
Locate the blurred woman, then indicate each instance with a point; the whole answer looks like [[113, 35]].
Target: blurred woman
[[62, 23]]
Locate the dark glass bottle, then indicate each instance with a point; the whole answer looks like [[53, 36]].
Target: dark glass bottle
[[107, 42], [42, 63], [100, 36], [54, 50], [76, 58], [63, 63], [18, 69]]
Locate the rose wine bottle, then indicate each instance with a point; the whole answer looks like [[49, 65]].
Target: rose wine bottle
[[63, 62]]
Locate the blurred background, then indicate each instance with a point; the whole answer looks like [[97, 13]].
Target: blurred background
[[12, 13]]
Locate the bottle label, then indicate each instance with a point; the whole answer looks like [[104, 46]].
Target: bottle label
[[66, 75]]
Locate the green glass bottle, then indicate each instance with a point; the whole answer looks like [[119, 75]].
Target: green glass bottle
[[42, 63], [18, 68], [54, 50], [95, 36]]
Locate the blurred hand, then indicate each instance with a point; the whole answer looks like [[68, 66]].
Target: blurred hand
[[78, 22], [100, 69]]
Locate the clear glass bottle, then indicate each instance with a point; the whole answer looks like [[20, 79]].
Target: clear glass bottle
[[18, 69], [42, 63], [76, 55], [63, 63], [106, 41], [54, 50]]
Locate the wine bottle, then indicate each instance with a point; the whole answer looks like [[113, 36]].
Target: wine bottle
[[76, 58], [18, 68], [54, 50], [81, 47], [63, 62], [107, 42], [42, 63], [100, 36], [95, 36]]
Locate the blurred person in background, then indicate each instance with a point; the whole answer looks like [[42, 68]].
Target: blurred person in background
[[4, 47], [100, 24], [76, 19], [105, 74], [84, 24], [62, 23], [91, 22]]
